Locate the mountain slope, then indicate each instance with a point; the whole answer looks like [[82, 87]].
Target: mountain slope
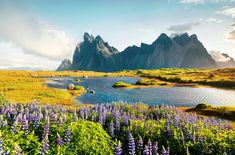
[[65, 65]]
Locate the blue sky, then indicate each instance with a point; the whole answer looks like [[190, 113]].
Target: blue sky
[[39, 34]]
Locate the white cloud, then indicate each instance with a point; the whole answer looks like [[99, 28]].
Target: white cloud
[[181, 28], [229, 12], [204, 1], [214, 20], [13, 57], [231, 35], [33, 35]]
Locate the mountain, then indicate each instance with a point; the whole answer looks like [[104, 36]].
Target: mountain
[[94, 54], [65, 65], [222, 60], [181, 51]]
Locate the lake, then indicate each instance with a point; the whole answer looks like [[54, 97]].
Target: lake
[[178, 96]]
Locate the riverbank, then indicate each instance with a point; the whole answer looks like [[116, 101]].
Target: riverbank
[[223, 112]]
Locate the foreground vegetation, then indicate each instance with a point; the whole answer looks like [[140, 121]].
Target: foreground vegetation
[[118, 128]]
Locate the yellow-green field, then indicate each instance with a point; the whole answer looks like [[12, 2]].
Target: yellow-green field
[[224, 78], [26, 86]]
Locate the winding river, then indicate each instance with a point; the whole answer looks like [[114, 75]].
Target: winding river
[[178, 96]]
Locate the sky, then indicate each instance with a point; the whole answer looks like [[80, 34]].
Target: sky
[[39, 34]]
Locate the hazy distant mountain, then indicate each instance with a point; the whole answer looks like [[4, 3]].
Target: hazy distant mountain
[[222, 59], [65, 65], [180, 51]]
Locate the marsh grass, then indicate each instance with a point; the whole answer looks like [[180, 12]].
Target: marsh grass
[[224, 78]]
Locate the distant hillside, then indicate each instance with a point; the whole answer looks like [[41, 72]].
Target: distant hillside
[[180, 51], [222, 60]]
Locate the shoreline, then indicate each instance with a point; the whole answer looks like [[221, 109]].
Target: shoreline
[[214, 113]]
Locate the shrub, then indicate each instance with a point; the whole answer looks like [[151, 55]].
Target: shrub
[[89, 138]]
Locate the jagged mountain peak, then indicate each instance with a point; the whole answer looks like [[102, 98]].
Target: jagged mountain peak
[[87, 37], [98, 39], [163, 40], [184, 38]]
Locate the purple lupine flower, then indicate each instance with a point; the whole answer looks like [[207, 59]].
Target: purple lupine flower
[[131, 145], [183, 128], [146, 150], [140, 144], [37, 121], [81, 114], [150, 146], [176, 121], [154, 149], [46, 129], [118, 149], [111, 129], [59, 140], [125, 119], [118, 128], [105, 116], [44, 148], [24, 122], [101, 119], [45, 113], [164, 151], [168, 131], [67, 136], [14, 127], [54, 118]]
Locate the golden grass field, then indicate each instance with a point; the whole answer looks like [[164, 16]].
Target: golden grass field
[[26, 86]]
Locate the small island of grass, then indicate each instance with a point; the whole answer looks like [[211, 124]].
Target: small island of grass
[[121, 84], [150, 82], [77, 91]]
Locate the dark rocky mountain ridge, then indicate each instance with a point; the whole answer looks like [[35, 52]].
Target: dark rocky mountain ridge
[[180, 51]]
